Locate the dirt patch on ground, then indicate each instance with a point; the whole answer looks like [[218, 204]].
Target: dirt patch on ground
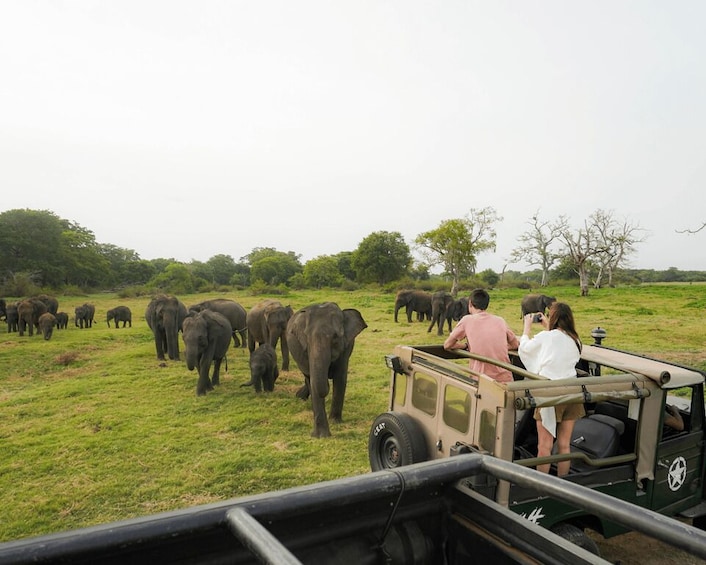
[[637, 549]]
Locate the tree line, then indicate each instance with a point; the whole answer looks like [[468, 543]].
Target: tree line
[[38, 249]]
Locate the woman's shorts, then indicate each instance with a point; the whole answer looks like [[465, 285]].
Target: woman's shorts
[[565, 412]]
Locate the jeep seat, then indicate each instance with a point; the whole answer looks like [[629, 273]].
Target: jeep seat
[[598, 436]]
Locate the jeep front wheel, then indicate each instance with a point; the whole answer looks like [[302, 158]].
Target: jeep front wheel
[[576, 536], [395, 440]]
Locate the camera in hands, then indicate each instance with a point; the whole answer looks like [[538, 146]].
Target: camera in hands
[[537, 319]]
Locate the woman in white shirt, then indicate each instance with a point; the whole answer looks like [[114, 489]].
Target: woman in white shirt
[[553, 353]]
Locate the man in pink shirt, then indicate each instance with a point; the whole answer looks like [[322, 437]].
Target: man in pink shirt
[[485, 334]]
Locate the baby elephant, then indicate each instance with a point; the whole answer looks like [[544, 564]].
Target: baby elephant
[[120, 314], [47, 321], [263, 368]]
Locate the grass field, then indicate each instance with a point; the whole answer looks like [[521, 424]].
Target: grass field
[[95, 429]]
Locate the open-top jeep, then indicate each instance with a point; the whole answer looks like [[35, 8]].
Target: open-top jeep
[[438, 408]]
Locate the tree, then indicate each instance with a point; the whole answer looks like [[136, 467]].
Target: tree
[[275, 269], [322, 271], [381, 257], [344, 261], [601, 242], [695, 230], [175, 279], [456, 244], [538, 244], [222, 268], [83, 263], [30, 242], [618, 242]]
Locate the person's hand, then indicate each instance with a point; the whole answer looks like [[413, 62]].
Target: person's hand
[[527, 323]]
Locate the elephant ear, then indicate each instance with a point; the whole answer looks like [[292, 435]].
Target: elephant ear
[[298, 323], [353, 323]]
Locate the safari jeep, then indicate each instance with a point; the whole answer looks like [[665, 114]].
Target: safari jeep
[[439, 408]]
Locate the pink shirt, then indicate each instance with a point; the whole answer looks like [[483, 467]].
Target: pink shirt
[[490, 336]]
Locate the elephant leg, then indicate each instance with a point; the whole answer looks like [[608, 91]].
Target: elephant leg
[[285, 353], [236, 341], [158, 344], [431, 326], [204, 383], [303, 391], [216, 379], [409, 313], [243, 337], [318, 406], [339, 393]]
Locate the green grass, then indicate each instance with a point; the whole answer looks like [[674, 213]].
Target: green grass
[[95, 428]]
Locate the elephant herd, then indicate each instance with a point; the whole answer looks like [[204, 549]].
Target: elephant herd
[[40, 313], [442, 308], [320, 338]]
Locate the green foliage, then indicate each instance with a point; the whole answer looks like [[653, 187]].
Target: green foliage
[[322, 271], [456, 243], [96, 429], [381, 257], [175, 279]]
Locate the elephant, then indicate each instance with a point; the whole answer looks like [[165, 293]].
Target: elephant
[[12, 318], [321, 339], [3, 308], [119, 314], [51, 302], [235, 313], [459, 308], [532, 303], [47, 321], [418, 301], [28, 312], [441, 310], [62, 320], [165, 315], [206, 336], [267, 323], [84, 315], [263, 368]]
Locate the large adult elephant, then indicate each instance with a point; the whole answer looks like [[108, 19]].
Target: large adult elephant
[[441, 311], [51, 302], [234, 312], [206, 337], [28, 313], [267, 323], [418, 301], [165, 315], [321, 339], [84, 315], [532, 303]]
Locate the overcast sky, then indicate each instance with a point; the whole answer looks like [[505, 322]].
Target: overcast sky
[[188, 129]]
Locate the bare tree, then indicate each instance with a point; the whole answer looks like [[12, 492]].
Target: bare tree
[[601, 241], [537, 245], [697, 230], [618, 241]]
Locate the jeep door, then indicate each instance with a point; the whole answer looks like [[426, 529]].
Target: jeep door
[[680, 455]]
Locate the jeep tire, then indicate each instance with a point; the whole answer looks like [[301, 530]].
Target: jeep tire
[[395, 440], [576, 536]]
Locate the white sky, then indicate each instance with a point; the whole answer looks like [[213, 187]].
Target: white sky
[[187, 129]]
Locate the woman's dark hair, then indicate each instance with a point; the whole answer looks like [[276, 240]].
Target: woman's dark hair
[[561, 317]]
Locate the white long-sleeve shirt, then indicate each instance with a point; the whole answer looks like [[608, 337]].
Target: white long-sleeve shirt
[[552, 354]]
